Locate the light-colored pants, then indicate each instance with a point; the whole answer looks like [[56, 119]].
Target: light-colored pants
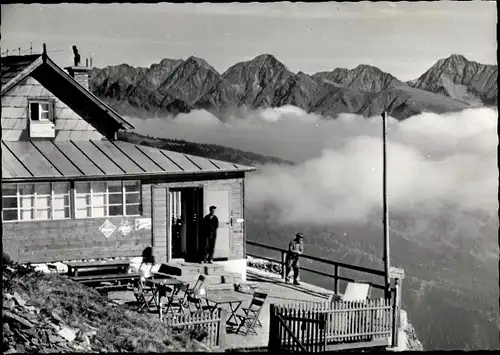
[[292, 263]]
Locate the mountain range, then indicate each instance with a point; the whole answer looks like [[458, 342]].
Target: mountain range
[[179, 86]]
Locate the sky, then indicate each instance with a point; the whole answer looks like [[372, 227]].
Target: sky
[[403, 38]]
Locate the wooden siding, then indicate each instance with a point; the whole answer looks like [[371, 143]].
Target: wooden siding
[[159, 223], [237, 240], [69, 125], [72, 239]]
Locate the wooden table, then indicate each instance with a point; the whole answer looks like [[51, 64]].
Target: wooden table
[[160, 284], [121, 265], [220, 299]]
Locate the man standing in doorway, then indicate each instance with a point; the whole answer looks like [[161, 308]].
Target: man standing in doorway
[[210, 225], [295, 249]]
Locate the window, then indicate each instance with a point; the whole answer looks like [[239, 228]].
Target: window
[[104, 199], [41, 111], [41, 201]]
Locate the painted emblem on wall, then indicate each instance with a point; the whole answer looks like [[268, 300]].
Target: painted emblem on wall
[[142, 223], [125, 227], [107, 228]]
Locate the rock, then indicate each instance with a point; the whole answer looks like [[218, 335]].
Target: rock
[[67, 334], [32, 333], [20, 348], [56, 316], [9, 304], [199, 346], [24, 322], [54, 339], [19, 299], [44, 336], [86, 340], [6, 330], [10, 351], [31, 309], [7, 296], [90, 333]]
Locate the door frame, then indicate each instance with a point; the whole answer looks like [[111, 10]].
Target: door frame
[[230, 210], [168, 187]]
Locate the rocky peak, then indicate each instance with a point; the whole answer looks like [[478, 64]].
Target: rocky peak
[[199, 63], [461, 79], [365, 78], [255, 81]]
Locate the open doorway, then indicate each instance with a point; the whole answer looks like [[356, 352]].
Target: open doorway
[[185, 210]]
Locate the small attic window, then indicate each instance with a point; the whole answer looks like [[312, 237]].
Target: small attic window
[[41, 111]]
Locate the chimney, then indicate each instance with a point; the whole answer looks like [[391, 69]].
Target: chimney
[[78, 72]]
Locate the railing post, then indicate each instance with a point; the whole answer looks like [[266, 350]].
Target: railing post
[[336, 280], [283, 265], [396, 310]]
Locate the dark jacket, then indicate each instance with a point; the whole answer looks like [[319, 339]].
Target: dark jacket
[[295, 249], [210, 225]]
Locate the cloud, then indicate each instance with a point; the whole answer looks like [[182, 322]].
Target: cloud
[[433, 160], [442, 169]]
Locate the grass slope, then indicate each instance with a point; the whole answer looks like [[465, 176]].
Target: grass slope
[[84, 309]]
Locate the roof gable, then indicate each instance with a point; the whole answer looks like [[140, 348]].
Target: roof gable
[[68, 90]]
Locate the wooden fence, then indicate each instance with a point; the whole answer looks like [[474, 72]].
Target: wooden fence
[[322, 326], [213, 323]]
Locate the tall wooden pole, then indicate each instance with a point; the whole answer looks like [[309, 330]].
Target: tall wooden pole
[[387, 261]]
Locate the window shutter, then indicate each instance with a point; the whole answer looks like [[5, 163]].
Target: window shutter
[[34, 111], [52, 112]]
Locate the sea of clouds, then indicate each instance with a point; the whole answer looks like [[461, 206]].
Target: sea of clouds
[[435, 162]]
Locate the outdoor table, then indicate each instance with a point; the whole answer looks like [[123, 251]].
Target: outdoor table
[[220, 299], [160, 284], [121, 265]]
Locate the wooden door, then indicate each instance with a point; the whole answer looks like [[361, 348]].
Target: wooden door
[[220, 198], [194, 208]]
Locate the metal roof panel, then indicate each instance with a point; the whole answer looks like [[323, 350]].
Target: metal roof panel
[[160, 159], [98, 158], [140, 158], [120, 159], [57, 158], [183, 161], [11, 167], [32, 159], [78, 158]]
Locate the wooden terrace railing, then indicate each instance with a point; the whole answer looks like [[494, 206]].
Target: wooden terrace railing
[[383, 320], [325, 326], [213, 323], [337, 266]]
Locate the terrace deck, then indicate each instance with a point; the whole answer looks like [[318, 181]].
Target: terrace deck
[[278, 293]]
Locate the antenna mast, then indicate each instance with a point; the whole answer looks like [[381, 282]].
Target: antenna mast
[[386, 208]]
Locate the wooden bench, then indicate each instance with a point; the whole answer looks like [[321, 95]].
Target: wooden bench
[[119, 265], [90, 279]]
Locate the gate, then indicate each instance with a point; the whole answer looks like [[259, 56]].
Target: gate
[[293, 330]]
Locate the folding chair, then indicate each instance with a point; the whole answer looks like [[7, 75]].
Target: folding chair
[[145, 295], [193, 294], [357, 291], [176, 301], [252, 313]]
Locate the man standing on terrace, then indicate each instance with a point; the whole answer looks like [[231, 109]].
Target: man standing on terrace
[[295, 249], [210, 226]]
